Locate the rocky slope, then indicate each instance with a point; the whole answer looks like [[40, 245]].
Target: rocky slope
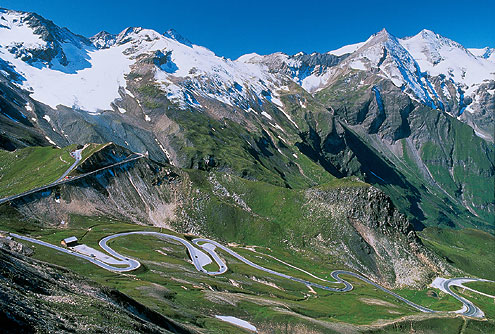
[[140, 191], [42, 298], [337, 156], [397, 142], [39, 297], [376, 238]]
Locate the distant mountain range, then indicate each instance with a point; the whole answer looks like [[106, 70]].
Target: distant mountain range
[[413, 115]]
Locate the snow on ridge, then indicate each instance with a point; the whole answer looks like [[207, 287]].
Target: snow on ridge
[[78, 76], [91, 81], [407, 70], [174, 34], [385, 52], [438, 55], [91, 89], [219, 78], [250, 58], [14, 32], [346, 49], [485, 53], [103, 39], [408, 63], [91, 78], [313, 83], [50, 141], [264, 113]]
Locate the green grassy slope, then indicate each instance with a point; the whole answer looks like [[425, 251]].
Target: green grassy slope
[[485, 287], [468, 249], [446, 149], [274, 213], [31, 167], [170, 285]]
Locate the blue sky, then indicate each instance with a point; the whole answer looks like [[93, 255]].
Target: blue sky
[[232, 28]]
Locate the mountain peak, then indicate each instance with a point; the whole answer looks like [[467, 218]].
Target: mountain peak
[[428, 35], [438, 55], [427, 32], [103, 39], [383, 32], [380, 37], [136, 34], [433, 39], [176, 36], [250, 58], [22, 24], [36, 40]]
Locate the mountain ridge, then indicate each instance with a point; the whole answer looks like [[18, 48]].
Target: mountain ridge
[[178, 102], [424, 91]]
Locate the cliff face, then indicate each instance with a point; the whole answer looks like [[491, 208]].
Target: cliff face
[[140, 191], [359, 124], [352, 225], [375, 238], [438, 166], [380, 110]]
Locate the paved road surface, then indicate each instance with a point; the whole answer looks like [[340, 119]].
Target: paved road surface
[[335, 275], [209, 246], [193, 251], [77, 155], [460, 283], [469, 308], [131, 264]]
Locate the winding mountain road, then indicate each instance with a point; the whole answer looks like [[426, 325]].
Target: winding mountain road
[[200, 247], [468, 309]]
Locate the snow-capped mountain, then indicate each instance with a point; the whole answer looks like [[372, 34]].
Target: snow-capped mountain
[[307, 70], [353, 111], [431, 69], [60, 68], [39, 42], [385, 53], [438, 56]]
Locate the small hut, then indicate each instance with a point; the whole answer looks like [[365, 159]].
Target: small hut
[[69, 242]]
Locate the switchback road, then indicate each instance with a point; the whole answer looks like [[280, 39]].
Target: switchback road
[[200, 247]]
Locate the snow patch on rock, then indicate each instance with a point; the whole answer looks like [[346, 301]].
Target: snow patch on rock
[[237, 322]]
